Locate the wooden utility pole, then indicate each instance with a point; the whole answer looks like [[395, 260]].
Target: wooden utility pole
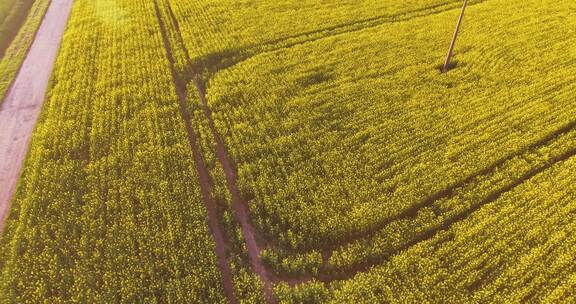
[[451, 50]]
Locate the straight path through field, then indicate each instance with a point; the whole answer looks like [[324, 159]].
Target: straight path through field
[[221, 245], [23, 102], [239, 205]]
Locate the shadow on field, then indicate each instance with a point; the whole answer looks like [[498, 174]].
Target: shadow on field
[[451, 66]]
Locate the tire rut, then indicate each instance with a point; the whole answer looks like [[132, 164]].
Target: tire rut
[[240, 206], [448, 192], [203, 174], [458, 217]]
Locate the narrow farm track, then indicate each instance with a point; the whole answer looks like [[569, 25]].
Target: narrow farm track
[[240, 206], [181, 42], [324, 33], [450, 193], [23, 103], [203, 174]]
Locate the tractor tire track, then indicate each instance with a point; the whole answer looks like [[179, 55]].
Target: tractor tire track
[[458, 217], [203, 174], [240, 206], [446, 193], [328, 276], [181, 42]]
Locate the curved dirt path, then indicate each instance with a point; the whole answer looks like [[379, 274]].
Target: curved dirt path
[[21, 107]]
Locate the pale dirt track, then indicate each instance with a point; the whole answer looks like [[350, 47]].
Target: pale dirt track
[[21, 107]]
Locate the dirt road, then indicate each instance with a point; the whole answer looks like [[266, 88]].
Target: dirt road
[[21, 107]]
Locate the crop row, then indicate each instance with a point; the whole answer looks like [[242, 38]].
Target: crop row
[[499, 123], [445, 211], [109, 207], [241, 283]]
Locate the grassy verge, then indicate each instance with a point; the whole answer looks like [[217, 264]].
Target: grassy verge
[[13, 51], [11, 18]]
